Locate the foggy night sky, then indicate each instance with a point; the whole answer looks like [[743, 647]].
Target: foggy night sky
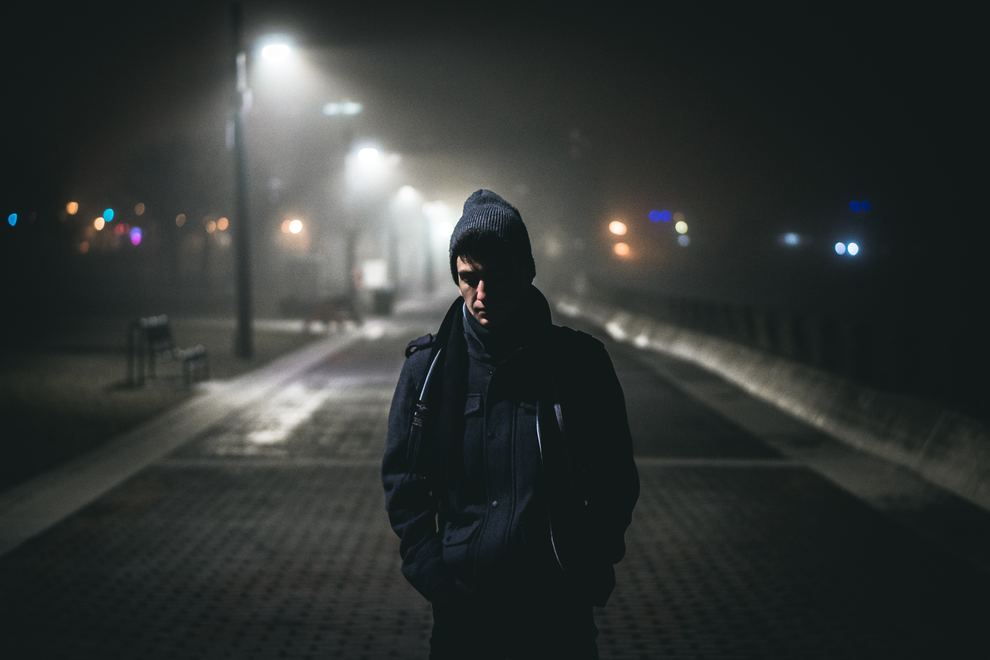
[[754, 121]]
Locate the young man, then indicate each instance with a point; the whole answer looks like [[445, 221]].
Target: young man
[[508, 469]]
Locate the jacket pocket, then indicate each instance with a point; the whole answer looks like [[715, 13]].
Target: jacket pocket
[[458, 535], [472, 405], [456, 544]]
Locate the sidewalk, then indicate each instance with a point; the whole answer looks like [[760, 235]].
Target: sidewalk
[[262, 534], [31, 506]]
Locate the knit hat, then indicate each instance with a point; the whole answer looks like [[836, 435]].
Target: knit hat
[[487, 214]]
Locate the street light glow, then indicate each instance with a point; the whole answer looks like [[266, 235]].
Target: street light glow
[[368, 155], [621, 249], [346, 107], [295, 226], [276, 51], [618, 228]]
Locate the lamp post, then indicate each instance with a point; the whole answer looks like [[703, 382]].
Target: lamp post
[[244, 341]]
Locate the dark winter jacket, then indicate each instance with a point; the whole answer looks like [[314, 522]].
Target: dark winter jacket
[[525, 466]]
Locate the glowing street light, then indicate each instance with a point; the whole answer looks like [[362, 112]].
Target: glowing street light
[[276, 51], [618, 228], [345, 107]]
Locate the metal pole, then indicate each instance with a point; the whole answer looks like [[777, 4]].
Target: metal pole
[[428, 284], [244, 341]]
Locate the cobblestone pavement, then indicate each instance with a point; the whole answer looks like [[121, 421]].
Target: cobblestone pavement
[[265, 537]]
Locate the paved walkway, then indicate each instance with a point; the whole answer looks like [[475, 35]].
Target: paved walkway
[[259, 532]]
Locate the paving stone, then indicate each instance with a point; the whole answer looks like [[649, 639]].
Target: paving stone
[[265, 537]]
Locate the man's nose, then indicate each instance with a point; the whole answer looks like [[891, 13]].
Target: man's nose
[[482, 290]]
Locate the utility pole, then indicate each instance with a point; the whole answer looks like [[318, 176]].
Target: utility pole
[[239, 227]]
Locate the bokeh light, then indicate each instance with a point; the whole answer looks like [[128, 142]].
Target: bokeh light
[[139, 209], [681, 227], [852, 249], [108, 214], [12, 219], [135, 235], [618, 227], [679, 217], [621, 249], [840, 248], [223, 223], [99, 224], [180, 220], [295, 226], [72, 208], [791, 239], [684, 240], [660, 216]]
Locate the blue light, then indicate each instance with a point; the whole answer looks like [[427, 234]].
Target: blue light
[[684, 240], [108, 215], [859, 206], [12, 219], [660, 216], [840, 248], [852, 249], [792, 239]]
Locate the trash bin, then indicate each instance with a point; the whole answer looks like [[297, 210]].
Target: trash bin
[[382, 301]]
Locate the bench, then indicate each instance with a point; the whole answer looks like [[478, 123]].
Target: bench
[[150, 340]]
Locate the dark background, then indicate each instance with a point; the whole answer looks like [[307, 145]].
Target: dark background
[[753, 121]]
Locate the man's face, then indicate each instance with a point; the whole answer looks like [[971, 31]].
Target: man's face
[[492, 292]]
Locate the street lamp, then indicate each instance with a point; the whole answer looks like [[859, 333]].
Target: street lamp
[[276, 51], [244, 340]]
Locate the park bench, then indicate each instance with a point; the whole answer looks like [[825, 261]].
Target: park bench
[[150, 341]]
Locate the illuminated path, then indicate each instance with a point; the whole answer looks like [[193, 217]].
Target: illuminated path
[[263, 535]]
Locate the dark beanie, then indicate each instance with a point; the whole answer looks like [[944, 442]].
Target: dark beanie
[[487, 214]]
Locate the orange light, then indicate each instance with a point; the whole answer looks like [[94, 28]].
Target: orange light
[[618, 227], [139, 208], [621, 249], [72, 208], [223, 223], [99, 223]]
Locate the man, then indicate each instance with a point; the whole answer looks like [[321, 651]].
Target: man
[[508, 470]]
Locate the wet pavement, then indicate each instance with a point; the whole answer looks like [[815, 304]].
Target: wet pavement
[[264, 536]]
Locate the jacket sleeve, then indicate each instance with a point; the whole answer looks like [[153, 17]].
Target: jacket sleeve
[[409, 502], [617, 484]]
